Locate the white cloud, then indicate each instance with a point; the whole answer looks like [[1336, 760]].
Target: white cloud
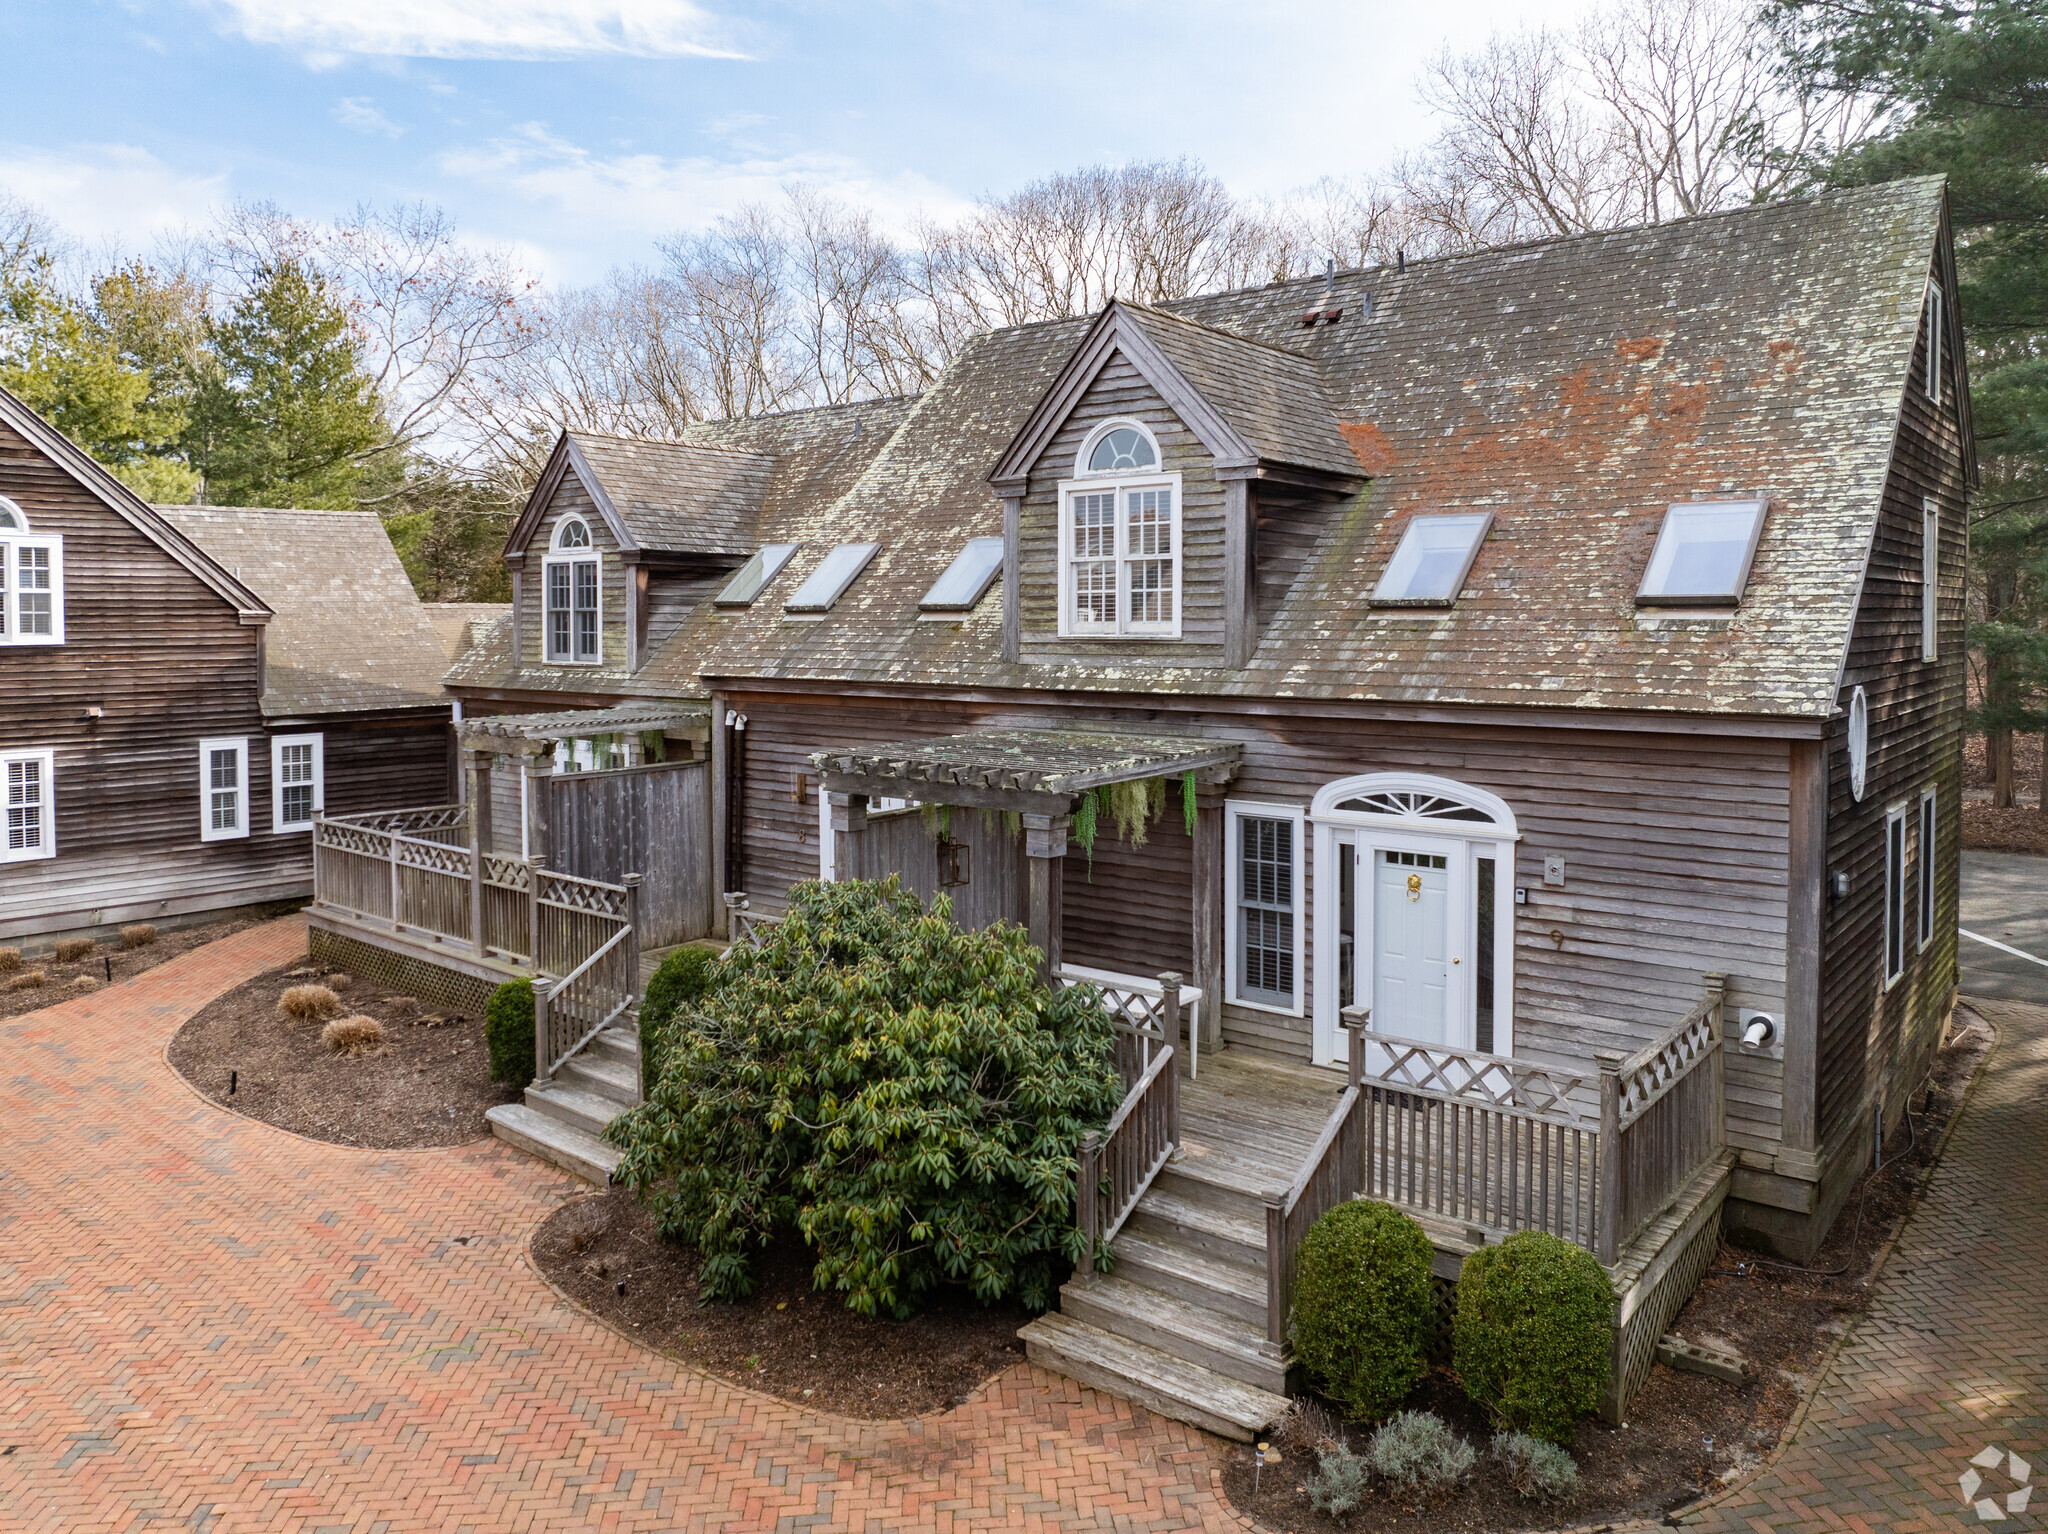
[[325, 31], [118, 193], [361, 114], [624, 199]]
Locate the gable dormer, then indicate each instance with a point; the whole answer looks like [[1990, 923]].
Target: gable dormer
[[1130, 495], [611, 521]]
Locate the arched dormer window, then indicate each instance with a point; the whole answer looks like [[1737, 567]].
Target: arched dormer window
[[31, 581], [572, 630], [1120, 538]]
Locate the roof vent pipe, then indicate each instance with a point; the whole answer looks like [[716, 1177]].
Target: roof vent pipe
[[1400, 261], [1329, 278]]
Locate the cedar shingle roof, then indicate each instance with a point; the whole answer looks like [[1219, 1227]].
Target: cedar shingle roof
[[459, 625], [1574, 388], [679, 496], [350, 635]]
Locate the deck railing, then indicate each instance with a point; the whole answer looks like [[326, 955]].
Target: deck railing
[[1333, 1171], [743, 925], [1663, 1110], [1117, 1164]]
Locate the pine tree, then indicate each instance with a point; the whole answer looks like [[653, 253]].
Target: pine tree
[[1967, 82], [287, 416]]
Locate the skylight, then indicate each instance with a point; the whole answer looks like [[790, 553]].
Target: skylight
[[1428, 569], [824, 585], [967, 578], [1703, 553], [757, 572]]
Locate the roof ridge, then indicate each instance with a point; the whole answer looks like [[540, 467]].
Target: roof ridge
[[1216, 330], [694, 447], [783, 415]]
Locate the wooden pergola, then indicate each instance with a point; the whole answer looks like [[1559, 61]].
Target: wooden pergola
[[1039, 774]]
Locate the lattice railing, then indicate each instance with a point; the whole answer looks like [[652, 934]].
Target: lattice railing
[[1493, 1081], [1148, 1013], [1115, 1167], [1663, 1112], [427, 823]]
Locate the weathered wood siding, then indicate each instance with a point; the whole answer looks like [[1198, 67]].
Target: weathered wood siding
[[1119, 390], [897, 842], [379, 764], [167, 660], [615, 603], [1675, 849], [1875, 1042], [653, 821]]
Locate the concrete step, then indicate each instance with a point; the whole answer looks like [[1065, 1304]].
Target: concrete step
[[1192, 1275], [573, 1150], [579, 1110], [1225, 1235], [615, 1044], [1171, 1386], [1222, 1343], [614, 1079]]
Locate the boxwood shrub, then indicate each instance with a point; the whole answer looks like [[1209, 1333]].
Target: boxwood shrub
[[678, 981], [1534, 1332], [1363, 1305], [508, 1032]]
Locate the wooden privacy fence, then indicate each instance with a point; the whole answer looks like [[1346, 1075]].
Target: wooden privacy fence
[[654, 821], [1117, 1164]]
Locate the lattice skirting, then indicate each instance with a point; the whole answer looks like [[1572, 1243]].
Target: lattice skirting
[[401, 972], [1636, 1348]]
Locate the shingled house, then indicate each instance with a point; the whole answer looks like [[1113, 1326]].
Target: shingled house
[[1556, 652], [188, 689]]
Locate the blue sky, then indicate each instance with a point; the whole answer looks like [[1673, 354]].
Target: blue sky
[[578, 132]]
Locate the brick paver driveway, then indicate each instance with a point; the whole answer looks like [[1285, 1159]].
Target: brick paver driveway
[[207, 1323], [1952, 1357]]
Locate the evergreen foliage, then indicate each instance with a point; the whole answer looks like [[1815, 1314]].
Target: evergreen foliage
[[1363, 1303], [904, 1095], [1534, 1331], [508, 1032], [1338, 1483], [679, 981]]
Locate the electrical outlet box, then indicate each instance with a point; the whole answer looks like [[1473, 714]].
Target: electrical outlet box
[[1553, 870]]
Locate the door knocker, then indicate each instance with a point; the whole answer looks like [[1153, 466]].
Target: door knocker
[[1415, 886]]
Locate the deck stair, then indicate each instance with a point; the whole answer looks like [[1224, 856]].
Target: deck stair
[[562, 1120], [1178, 1323]]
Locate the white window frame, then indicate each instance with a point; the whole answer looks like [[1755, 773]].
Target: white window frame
[[1931, 383], [239, 744], [1924, 889], [1235, 813], [1462, 844], [591, 556], [13, 540], [1894, 892], [278, 743], [47, 759], [1930, 579], [1119, 484]]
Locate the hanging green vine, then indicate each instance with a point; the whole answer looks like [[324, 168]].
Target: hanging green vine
[[1187, 801], [938, 820], [1084, 824], [654, 745]]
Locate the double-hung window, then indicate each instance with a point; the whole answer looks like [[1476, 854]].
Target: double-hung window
[[223, 789], [1120, 539], [31, 581], [1926, 867], [573, 600], [1264, 892], [297, 781], [1894, 894], [27, 783]]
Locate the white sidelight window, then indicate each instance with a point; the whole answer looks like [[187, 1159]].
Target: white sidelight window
[[1932, 382], [27, 784], [1263, 872], [1120, 538], [573, 598], [31, 581], [1894, 894], [298, 781], [1930, 579], [1926, 891], [223, 789]]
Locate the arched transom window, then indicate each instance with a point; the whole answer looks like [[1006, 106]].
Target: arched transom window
[[574, 533], [1122, 448]]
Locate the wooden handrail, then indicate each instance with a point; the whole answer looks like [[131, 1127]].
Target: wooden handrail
[[1332, 1172]]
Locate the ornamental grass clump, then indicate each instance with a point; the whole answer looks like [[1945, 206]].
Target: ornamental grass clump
[[1419, 1456], [903, 1096], [356, 1035], [28, 980], [1533, 1332], [1538, 1471], [309, 1003], [71, 949], [140, 935], [10, 960], [1363, 1304]]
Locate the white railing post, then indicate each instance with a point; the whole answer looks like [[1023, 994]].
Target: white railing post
[[397, 920]]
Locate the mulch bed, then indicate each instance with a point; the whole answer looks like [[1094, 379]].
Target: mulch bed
[[430, 1085], [2014, 830], [110, 961], [786, 1339], [1780, 1319]]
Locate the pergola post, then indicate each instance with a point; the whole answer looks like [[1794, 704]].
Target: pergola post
[[1208, 911], [849, 819], [1045, 847], [535, 771]]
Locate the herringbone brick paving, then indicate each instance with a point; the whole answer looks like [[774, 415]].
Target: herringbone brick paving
[[1952, 1356], [209, 1324], [206, 1323]]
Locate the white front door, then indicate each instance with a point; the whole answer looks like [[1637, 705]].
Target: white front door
[[1410, 935]]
